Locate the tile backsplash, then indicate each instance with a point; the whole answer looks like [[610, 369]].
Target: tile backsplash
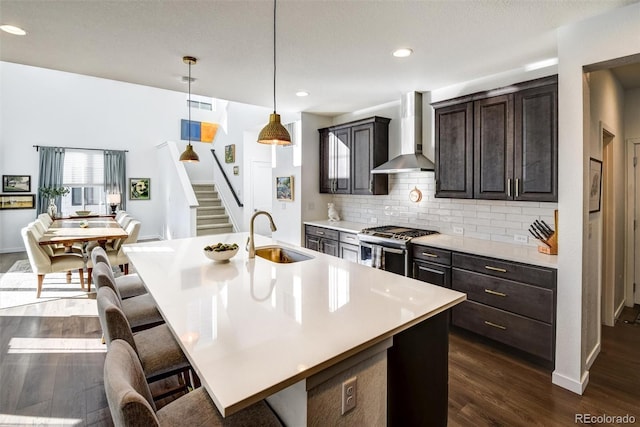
[[483, 219]]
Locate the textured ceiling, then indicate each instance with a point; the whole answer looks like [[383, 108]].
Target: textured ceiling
[[339, 51]]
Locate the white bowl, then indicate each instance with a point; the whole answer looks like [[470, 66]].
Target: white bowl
[[222, 256]]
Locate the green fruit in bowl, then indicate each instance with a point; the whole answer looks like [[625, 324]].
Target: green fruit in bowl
[[221, 247]]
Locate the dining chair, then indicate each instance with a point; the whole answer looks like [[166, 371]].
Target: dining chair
[[45, 219], [129, 285], [114, 251], [156, 348], [51, 250], [120, 214], [141, 311], [42, 263], [131, 403]]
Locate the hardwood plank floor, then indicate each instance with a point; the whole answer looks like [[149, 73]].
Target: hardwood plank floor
[[51, 365]]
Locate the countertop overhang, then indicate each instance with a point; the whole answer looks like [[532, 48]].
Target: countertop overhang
[[252, 327]]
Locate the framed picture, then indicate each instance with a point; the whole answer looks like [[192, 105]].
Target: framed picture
[[236, 170], [595, 185], [16, 183], [17, 201], [284, 188], [139, 188], [230, 153]]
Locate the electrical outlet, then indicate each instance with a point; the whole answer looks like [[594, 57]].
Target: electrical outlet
[[458, 230], [349, 395], [521, 238]]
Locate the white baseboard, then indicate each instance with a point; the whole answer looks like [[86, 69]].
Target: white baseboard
[[619, 309], [593, 355], [12, 250], [565, 382]]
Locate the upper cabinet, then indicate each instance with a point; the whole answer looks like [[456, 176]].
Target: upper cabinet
[[501, 147], [349, 151]]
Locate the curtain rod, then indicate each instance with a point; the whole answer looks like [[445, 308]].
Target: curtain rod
[[37, 147]]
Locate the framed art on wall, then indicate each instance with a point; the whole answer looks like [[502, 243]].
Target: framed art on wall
[[284, 188], [595, 185], [230, 153], [139, 188], [16, 183], [17, 201]]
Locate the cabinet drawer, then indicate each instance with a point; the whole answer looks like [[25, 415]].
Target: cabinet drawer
[[516, 297], [427, 253], [539, 276], [322, 232], [435, 274], [520, 332], [349, 238]]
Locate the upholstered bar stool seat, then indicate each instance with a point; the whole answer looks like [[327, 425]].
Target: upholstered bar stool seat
[[157, 349], [131, 403], [141, 311], [129, 285]]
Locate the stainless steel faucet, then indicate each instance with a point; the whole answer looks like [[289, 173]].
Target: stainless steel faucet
[[251, 247]]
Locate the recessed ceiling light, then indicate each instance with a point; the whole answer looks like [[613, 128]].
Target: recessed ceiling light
[[402, 52], [13, 30], [302, 93]]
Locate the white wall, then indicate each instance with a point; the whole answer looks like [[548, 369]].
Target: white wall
[[606, 103], [605, 37], [632, 113], [46, 107]]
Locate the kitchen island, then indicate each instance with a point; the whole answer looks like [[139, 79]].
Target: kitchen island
[[292, 333]]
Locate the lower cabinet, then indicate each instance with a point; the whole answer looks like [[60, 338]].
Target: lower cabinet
[[332, 242], [508, 302], [431, 265]]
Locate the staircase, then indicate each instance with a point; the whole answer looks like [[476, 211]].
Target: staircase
[[211, 215]]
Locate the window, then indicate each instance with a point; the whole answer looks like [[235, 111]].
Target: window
[[84, 175]]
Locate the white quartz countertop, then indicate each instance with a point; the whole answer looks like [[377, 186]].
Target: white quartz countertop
[[252, 327], [507, 251], [347, 226]]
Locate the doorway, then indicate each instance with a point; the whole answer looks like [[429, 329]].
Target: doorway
[[261, 194], [633, 211], [608, 231]]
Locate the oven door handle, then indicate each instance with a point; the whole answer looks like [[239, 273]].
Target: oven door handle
[[394, 251]]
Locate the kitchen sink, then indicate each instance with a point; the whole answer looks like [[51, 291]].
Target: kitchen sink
[[281, 255]]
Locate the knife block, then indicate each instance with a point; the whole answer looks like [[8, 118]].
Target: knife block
[[553, 240]]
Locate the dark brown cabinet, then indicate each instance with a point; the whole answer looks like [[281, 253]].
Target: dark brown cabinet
[[349, 151], [454, 151], [322, 240], [431, 265], [500, 147], [508, 302], [536, 144]]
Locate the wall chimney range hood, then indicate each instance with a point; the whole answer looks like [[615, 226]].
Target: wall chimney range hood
[[411, 158]]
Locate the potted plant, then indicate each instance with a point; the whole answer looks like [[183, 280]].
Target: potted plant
[[51, 193]]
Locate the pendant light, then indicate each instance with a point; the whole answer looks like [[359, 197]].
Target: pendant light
[[274, 133], [189, 155]]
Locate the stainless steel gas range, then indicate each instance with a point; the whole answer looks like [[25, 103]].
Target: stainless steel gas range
[[387, 247]]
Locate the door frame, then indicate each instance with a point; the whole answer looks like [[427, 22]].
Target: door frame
[[630, 202], [607, 229]]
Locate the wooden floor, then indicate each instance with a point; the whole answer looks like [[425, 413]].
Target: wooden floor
[[51, 373]]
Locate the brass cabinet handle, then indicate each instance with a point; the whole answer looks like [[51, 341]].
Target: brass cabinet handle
[[508, 187], [320, 233], [500, 270], [500, 294], [429, 254], [495, 325], [517, 189]]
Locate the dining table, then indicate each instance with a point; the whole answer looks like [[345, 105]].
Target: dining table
[[82, 229], [256, 329]]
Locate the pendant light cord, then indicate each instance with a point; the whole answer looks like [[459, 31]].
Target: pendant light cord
[[274, 56], [189, 104]]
